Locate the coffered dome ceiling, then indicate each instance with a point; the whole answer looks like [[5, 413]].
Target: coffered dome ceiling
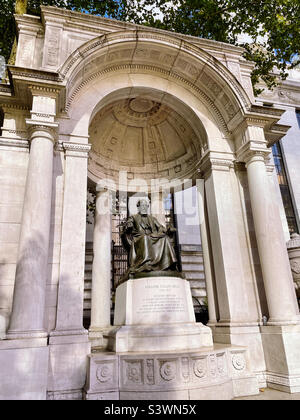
[[144, 137]]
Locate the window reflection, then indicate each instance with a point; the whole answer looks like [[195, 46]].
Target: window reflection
[[284, 188]]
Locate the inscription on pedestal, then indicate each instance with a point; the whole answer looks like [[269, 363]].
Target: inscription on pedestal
[[160, 300], [163, 300]]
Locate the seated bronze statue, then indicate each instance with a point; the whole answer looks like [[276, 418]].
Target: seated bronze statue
[[148, 243]]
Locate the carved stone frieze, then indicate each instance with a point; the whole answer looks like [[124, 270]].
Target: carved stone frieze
[[111, 375]]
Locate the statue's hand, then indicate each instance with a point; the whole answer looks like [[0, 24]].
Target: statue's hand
[[171, 229], [158, 235]]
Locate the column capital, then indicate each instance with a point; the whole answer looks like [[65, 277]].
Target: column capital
[[47, 130], [251, 152], [211, 163]]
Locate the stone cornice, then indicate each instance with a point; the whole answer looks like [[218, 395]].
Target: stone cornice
[[29, 24], [16, 107], [22, 144], [34, 74], [99, 23], [28, 82]]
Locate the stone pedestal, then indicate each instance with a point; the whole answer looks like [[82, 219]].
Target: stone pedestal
[[218, 373], [159, 352], [283, 363], [156, 314], [24, 369]]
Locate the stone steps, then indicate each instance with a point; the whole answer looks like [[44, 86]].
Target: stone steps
[[193, 268], [88, 280]]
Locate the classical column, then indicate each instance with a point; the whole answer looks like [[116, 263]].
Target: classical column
[[101, 277], [157, 207], [271, 243], [27, 318], [208, 265]]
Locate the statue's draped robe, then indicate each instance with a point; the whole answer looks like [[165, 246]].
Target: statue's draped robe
[[150, 246]]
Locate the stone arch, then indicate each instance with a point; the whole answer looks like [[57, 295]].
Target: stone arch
[[165, 56]]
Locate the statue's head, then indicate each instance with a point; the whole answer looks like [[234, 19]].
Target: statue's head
[[142, 206]]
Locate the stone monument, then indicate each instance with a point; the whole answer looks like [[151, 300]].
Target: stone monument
[[154, 306], [157, 350]]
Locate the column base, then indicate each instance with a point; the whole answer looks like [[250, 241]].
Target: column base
[[282, 348], [99, 336], [19, 335], [248, 335], [67, 362]]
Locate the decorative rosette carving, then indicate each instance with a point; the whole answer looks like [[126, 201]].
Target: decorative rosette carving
[[238, 361], [200, 368], [168, 371], [104, 373]]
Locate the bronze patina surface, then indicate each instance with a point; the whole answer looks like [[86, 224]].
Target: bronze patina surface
[[149, 244]]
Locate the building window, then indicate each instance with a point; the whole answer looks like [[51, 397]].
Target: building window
[[298, 117], [1, 120], [284, 188]]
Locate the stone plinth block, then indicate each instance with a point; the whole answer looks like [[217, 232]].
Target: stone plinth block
[[161, 337], [283, 364], [156, 314], [24, 369], [102, 377], [67, 364]]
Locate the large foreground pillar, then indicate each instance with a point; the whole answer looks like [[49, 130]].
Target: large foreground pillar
[[281, 335], [24, 355], [27, 319], [271, 245]]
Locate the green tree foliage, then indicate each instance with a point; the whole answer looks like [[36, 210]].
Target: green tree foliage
[[272, 26], [109, 8]]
